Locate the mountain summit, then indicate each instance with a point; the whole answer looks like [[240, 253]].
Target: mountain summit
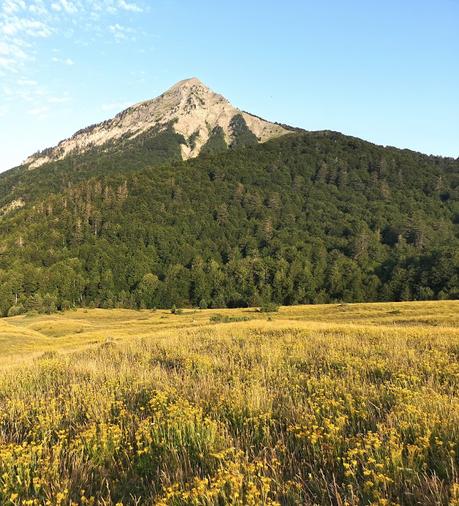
[[189, 109]]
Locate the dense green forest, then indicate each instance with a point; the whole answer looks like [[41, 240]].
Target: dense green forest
[[306, 218]]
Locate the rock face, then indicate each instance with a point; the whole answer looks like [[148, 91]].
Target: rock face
[[12, 206], [190, 108]]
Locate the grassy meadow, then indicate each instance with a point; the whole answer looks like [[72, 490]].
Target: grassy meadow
[[343, 404]]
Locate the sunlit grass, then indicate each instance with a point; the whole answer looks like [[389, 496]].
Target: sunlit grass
[[337, 404]]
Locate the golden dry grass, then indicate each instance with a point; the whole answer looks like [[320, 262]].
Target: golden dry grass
[[332, 404]]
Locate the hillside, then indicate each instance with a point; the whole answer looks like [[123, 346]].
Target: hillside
[[305, 218], [186, 120]]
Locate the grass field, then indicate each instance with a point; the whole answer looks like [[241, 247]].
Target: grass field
[[341, 404]]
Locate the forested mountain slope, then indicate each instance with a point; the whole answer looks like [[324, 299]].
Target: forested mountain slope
[[307, 217], [186, 120]]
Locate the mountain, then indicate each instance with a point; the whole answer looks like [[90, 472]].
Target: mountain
[[197, 115], [186, 120], [304, 217]]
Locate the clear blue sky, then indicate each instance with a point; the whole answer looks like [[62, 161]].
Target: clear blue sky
[[386, 71]]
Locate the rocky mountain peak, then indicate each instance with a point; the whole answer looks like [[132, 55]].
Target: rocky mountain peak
[[189, 108], [187, 84]]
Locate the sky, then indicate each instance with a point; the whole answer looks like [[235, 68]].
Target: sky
[[386, 71]]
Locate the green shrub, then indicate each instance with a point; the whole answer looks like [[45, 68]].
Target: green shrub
[[219, 318], [16, 310]]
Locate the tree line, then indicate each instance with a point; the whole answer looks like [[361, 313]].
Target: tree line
[[308, 218]]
